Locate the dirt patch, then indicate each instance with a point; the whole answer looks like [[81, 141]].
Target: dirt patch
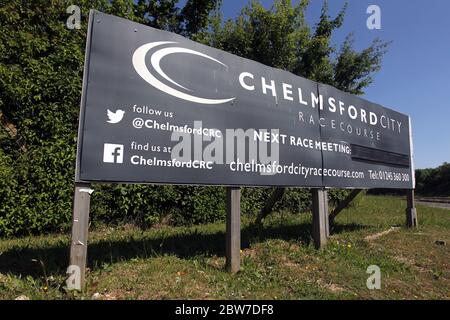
[[300, 268], [375, 236], [249, 253], [291, 264], [330, 286], [106, 296], [409, 262]]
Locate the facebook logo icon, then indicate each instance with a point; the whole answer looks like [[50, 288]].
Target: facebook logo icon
[[113, 153]]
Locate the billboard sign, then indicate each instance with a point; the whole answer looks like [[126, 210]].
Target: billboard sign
[[159, 108]]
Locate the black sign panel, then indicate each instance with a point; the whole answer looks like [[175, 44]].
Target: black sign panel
[[159, 108], [378, 137]]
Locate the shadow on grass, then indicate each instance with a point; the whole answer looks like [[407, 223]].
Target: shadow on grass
[[19, 261]]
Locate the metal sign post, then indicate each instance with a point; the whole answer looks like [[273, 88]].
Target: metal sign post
[[78, 244], [82, 194], [320, 217], [233, 232], [411, 213]]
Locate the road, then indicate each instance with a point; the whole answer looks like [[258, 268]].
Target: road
[[437, 203]]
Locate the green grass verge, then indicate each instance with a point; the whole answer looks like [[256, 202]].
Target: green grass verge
[[278, 260]]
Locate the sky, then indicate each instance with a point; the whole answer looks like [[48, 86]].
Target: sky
[[415, 75]]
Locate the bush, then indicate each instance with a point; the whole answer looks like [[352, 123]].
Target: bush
[[434, 182], [41, 65]]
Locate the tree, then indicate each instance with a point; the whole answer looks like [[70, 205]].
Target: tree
[[193, 18], [41, 65], [280, 37], [434, 182]]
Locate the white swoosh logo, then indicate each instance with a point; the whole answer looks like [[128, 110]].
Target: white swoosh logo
[[141, 68]]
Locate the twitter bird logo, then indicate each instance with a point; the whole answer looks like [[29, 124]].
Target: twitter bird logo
[[115, 117]]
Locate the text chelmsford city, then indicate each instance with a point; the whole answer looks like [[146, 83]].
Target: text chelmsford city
[[247, 81]]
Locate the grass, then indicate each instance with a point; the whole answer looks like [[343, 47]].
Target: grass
[[278, 260]]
